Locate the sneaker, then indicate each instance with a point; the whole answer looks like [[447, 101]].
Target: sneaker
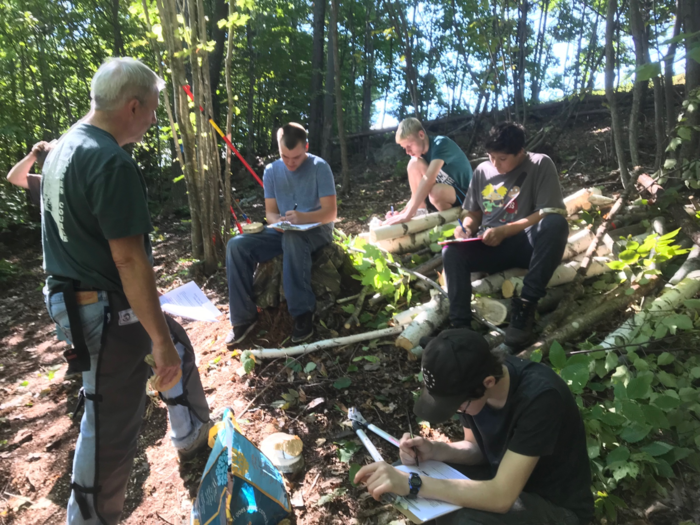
[[303, 327], [522, 320], [239, 333], [200, 441]]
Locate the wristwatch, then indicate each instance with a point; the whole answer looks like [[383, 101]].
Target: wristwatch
[[414, 485]]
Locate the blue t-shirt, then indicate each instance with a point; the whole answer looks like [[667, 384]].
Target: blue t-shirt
[[303, 187]]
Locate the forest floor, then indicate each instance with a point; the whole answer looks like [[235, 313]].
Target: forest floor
[[37, 436]]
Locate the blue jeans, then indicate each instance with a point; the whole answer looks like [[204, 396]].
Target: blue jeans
[[116, 382], [244, 252], [539, 248]]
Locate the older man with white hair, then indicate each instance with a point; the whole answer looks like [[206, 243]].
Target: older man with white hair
[[101, 291]]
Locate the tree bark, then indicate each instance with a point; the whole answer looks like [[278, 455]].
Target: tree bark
[[519, 81], [691, 25], [118, 40], [316, 109], [669, 90], [218, 35], [368, 77], [610, 92], [640, 43], [250, 146], [229, 127], [339, 100], [328, 100]]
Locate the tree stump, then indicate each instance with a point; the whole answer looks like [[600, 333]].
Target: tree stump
[[327, 270]]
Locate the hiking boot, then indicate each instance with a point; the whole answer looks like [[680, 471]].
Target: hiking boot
[[303, 327], [201, 440], [462, 323], [239, 333], [522, 320]]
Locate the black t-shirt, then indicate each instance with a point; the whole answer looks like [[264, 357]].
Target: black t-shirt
[[539, 419], [92, 192]]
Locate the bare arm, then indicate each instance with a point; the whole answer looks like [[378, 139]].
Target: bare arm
[[20, 171], [465, 452], [471, 221], [139, 283], [495, 236], [424, 187], [327, 213], [272, 212]]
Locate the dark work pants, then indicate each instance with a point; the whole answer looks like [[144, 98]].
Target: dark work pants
[[539, 248]]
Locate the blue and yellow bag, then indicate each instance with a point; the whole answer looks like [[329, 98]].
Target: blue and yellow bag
[[240, 486]]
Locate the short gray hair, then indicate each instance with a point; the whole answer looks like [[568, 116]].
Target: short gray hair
[[120, 80]]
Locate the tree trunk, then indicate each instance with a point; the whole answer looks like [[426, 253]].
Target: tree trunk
[[339, 99], [328, 101], [118, 40], [398, 18], [250, 145], [316, 109], [218, 35], [519, 81], [691, 25], [610, 92], [539, 49], [639, 37], [368, 78], [577, 65], [669, 90], [229, 128]]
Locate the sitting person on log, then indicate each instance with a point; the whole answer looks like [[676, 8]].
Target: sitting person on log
[[524, 448], [438, 170], [508, 204], [299, 189]]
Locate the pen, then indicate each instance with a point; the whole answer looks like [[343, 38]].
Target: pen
[[461, 225], [295, 206], [392, 209]]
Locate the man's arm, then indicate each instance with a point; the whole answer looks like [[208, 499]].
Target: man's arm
[[495, 495], [20, 171], [327, 213], [422, 192], [139, 285], [465, 452], [471, 220], [272, 212], [495, 236]]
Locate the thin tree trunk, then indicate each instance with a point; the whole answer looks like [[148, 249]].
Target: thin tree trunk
[[229, 128], [610, 92], [539, 49], [691, 25], [368, 77], [578, 47], [638, 35], [316, 109], [328, 100], [339, 99], [519, 84], [250, 147], [118, 40], [388, 84], [669, 90]]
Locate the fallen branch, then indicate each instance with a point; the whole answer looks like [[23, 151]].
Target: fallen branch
[[579, 200], [493, 283], [425, 323], [430, 265], [620, 300], [353, 320], [415, 225], [270, 353], [409, 243]]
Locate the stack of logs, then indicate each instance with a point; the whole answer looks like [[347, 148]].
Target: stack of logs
[[587, 254]]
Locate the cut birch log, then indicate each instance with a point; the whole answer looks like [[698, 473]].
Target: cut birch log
[[415, 225], [610, 305], [579, 200], [492, 310], [691, 264], [577, 243], [670, 299], [425, 323], [492, 284], [272, 353], [601, 201], [409, 243], [406, 317]]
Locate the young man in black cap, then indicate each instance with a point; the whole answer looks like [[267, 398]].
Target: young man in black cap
[[509, 205], [524, 446]]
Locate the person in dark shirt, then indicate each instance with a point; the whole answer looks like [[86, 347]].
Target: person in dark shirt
[[19, 174], [524, 446]]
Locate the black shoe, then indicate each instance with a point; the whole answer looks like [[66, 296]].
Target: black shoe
[[522, 320], [303, 327], [239, 333], [461, 324]]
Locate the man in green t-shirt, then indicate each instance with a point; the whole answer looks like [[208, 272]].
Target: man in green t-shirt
[[101, 291], [438, 170]]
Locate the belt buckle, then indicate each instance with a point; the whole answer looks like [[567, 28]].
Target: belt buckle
[[84, 298]]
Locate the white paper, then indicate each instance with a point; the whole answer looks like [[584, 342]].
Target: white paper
[[189, 301], [286, 225], [429, 509]]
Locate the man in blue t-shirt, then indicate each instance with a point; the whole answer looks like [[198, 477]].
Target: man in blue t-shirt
[[438, 170], [299, 189]]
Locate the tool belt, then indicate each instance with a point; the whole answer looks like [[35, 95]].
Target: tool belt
[[74, 295]]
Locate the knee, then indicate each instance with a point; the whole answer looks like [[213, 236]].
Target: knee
[[235, 245], [554, 225], [451, 255], [417, 166]]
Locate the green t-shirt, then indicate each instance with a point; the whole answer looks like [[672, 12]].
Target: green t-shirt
[[92, 191], [456, 165]]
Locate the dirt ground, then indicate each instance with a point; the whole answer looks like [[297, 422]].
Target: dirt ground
[[37, 435]]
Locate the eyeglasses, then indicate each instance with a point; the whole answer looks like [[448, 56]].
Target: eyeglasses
[[466, 407]]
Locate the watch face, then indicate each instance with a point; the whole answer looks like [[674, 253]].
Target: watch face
[[414, 482]]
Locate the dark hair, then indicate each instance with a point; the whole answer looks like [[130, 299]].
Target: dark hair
[[291, 135], [507, 137], [492, 367]]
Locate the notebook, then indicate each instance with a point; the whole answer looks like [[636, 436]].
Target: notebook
[[288, 226]]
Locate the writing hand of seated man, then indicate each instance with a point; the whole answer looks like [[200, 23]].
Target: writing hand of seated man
[[462, 233], [293, 217], [409, 447], [495, 236], [380, 477]]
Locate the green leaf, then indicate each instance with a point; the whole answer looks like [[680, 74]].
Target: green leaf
[[695, 372], [310, 367], [638, 388], [655, 417], [343, 382], [619, 455], [627, 470], [612, 419], [635, 432], [648, 71], [665, 359], [616, 265], [664, 469], [677, 454], [666, 402], [577, 376], [694, 53], [348, 308], [693, 304], [669, 164], [346, 450], [657, 448], [688, 394], [557, 356], [632, 411], [354, 468], [536, 356], [667, 379], [611, 361], [331, 496]]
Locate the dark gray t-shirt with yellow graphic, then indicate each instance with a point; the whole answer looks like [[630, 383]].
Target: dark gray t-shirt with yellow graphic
[[92, 192], [533, 185]]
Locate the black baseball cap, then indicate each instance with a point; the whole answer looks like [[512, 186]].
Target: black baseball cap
[[454, 364]]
